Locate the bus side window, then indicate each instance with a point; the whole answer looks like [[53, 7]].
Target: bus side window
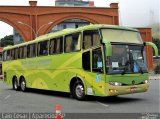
[[4, 55], [97, 64], [52, 49], [56, 45], [20, 52], [16, 53], [86, 61], [90, 38], [28, 50], [68, 43], [31, 50], [59, 45], [72, 43], [43, 48], [87, 43], [24, 52], [8, 55], [96, 38], [12, 54]]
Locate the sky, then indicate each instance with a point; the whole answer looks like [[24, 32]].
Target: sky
[[133, 13]]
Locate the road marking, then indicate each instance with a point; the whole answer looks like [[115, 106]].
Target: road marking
[[7, 97], [105, 105]]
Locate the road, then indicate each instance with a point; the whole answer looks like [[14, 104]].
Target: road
[[39, 101]]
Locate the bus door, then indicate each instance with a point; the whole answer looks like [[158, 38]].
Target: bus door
[[98, 71]]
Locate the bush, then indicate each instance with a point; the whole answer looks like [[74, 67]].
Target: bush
[[157, 69]]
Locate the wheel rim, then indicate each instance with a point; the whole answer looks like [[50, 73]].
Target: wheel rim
[[23, 85], [79, 90]]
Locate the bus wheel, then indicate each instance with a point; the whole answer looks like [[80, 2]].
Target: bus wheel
[[23, 85], [15, 84], [78, 90]]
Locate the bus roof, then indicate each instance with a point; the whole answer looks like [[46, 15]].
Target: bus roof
[[69, 31]]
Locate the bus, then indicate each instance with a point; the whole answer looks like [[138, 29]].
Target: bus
[[97, 60]]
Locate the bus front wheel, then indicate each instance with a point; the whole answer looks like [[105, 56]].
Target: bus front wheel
[[78, 90], [23, 85]]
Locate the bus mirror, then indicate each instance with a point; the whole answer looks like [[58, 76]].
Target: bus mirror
[[108, 49], [153, 46]]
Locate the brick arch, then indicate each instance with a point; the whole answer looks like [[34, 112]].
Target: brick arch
[[69, 17], [12, 24], [38, 16]]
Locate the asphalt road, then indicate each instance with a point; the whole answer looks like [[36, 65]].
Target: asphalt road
[[45, 101]]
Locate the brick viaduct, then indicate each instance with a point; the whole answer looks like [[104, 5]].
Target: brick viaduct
[[35, 17]]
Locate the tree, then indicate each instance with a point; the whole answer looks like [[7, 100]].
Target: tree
[[7, 40], [157, 42]]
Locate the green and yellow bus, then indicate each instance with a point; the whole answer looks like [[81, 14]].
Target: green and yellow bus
[[97, 60]]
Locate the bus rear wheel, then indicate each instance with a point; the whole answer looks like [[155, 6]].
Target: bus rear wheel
[[78, 91], [23, 85], [15, 84]]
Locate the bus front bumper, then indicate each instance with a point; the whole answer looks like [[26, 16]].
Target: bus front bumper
[[120, 90]]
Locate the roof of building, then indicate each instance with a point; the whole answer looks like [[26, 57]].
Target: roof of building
[[70, 1]]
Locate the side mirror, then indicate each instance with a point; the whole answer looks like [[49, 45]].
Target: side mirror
[[108, 48], [153, 46]]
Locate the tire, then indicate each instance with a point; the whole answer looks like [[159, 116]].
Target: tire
[[78, 90], [15, 84], [23, 85]]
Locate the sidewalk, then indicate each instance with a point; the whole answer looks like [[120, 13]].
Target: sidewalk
[[154, 76]]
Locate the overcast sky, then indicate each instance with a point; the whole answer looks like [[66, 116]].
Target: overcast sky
[[134, 13]]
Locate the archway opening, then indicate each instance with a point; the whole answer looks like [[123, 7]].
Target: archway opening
[[9, 35], [70, 23]]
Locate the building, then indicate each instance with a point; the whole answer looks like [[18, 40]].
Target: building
[[17, 39], [74, 3], [73, 23]]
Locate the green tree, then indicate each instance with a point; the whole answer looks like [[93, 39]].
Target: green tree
[[157, 42], [7, 40]]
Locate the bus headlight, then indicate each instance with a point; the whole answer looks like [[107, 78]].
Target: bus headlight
[[115, 83], [146, 81]]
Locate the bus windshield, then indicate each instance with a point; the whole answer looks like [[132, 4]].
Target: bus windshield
[[126, 59]]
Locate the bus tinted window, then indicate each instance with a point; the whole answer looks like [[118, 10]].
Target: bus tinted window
[[90, 38], [4, 55], [86, 60], [22, 52], [31, 50], [56, 45], [8, 55], [72, 43], [43, 48], [12, 54], [28, 51], [16, 53]]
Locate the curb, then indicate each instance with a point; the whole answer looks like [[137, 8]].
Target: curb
[[154, 77]]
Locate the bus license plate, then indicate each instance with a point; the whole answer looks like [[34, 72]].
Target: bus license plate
[[133, 89]]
